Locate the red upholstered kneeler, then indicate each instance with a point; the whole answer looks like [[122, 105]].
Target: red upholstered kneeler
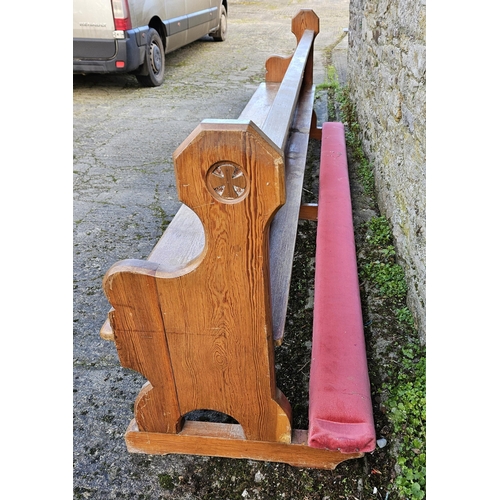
[[340, 408]]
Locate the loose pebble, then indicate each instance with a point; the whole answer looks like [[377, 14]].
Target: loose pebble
[[381, 442]]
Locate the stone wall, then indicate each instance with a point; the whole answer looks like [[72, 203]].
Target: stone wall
[[386, 76]]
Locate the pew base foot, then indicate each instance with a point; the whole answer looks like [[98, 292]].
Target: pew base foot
[[228, 441]]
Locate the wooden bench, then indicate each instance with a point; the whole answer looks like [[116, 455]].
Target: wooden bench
[[200, 317]]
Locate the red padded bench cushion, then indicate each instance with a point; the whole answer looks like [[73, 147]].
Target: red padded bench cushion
[[340, 408]]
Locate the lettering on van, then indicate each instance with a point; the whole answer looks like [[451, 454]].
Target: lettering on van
[[93, 25]]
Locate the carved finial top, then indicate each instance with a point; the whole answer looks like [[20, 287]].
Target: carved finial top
[[305, 19]]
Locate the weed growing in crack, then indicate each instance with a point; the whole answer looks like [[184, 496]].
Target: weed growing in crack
[[405, 382], [381, 269], [388, 277], [341, 107], [405, 385], [408, 415], [166, 481], [379, 231]]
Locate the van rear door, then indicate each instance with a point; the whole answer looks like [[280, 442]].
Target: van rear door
[[93, 21]]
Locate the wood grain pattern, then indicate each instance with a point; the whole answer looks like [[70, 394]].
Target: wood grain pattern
[[228, 440], [221, 344], [184, 238], [137, 325], [276, 67]]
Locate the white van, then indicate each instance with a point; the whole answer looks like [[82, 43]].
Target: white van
[[133, 36]]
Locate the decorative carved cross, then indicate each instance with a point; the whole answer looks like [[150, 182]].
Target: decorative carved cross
[[227, 181]]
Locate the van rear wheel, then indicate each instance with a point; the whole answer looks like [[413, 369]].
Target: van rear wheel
[[154, 61], [220, 34]]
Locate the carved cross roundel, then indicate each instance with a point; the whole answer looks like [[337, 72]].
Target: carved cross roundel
[[227, 182]]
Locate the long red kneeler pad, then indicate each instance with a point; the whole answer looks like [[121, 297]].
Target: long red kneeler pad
[[340, 408]]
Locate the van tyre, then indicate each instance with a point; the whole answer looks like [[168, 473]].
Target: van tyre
[[220, 34], [154, 61]]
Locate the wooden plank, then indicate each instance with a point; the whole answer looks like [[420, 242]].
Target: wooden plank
[[284, 225], [259, 105], [227, 440], [280, 115], [309, 211], [315, 131], [181, 243]]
